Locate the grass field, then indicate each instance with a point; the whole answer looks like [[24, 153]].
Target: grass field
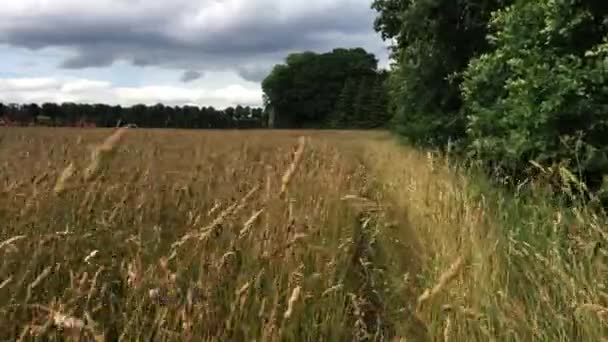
[[282, 235]]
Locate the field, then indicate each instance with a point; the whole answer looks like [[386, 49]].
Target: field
[[282, 235]]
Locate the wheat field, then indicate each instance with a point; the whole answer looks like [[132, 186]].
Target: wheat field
[[164, 235]]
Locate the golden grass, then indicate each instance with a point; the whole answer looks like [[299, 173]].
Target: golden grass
[[177, 235], [285, 235]]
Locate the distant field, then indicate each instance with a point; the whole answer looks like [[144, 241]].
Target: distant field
[[276, 235]]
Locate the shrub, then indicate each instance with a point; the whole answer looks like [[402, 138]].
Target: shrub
[[541, 93]]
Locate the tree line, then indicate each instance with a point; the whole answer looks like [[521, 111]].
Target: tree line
[[518, 85], [340, 89], [157, 116]]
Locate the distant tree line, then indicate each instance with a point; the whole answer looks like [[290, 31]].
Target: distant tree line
[[157, 116], [513, 84], [339, 89]]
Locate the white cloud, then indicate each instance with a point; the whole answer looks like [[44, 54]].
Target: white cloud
[[231, 95], [25, 90], [27, 84], [80, 86]]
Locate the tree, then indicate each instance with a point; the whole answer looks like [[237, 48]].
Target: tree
[[510, 80], [342, 116], [304, 91], [379, 101], [159, 116], [71, 113], [434, 40], [52, 111], [363, 112], [240, 112], [543, 86], [31, 111], [156, 115]]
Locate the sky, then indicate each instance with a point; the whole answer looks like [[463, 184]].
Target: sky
[[199, 52]]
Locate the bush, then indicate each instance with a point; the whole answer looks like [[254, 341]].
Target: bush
[[434, 42], [541, 94]]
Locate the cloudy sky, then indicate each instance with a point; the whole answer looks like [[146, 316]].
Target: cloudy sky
[[205, 52]]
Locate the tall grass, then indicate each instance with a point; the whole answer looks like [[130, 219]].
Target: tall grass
[[165, 235], [331, 236], [497, 265]]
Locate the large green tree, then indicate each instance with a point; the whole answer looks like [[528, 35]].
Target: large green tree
[[379, 105], [363, 116], [342, 115], [511, 80], [305, 90], [433, 43]]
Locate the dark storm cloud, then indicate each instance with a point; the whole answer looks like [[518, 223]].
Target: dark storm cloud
[[88, 60], [248, 41], [190, 75], [254, 75]]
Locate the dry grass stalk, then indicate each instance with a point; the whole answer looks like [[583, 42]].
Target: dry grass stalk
[[295, 295], [91, 255], [215, 208], [361, 203], [233, 209], [135, 273], [64, 178], [101, 153], [67, 322], [332, 289], [211, 228], [243, 289], [250, 222], [467, 312], [74, 328], [110, 143], [600, 311], [6, 282], [283, 248], [40, 278], [269, 177], [41, 178], [447, 329], [445, 278], [230, 210], [11, 241], [291, 170]]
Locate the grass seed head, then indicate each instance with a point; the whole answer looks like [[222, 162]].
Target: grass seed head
[[295, 295], [291, 170], [64, 178], [444, 279]]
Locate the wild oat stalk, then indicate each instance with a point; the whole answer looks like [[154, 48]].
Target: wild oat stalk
[[291, 170], [444, 279], [64, 178], [101, 154], [11, 241], [295, 295], [250, 222]]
